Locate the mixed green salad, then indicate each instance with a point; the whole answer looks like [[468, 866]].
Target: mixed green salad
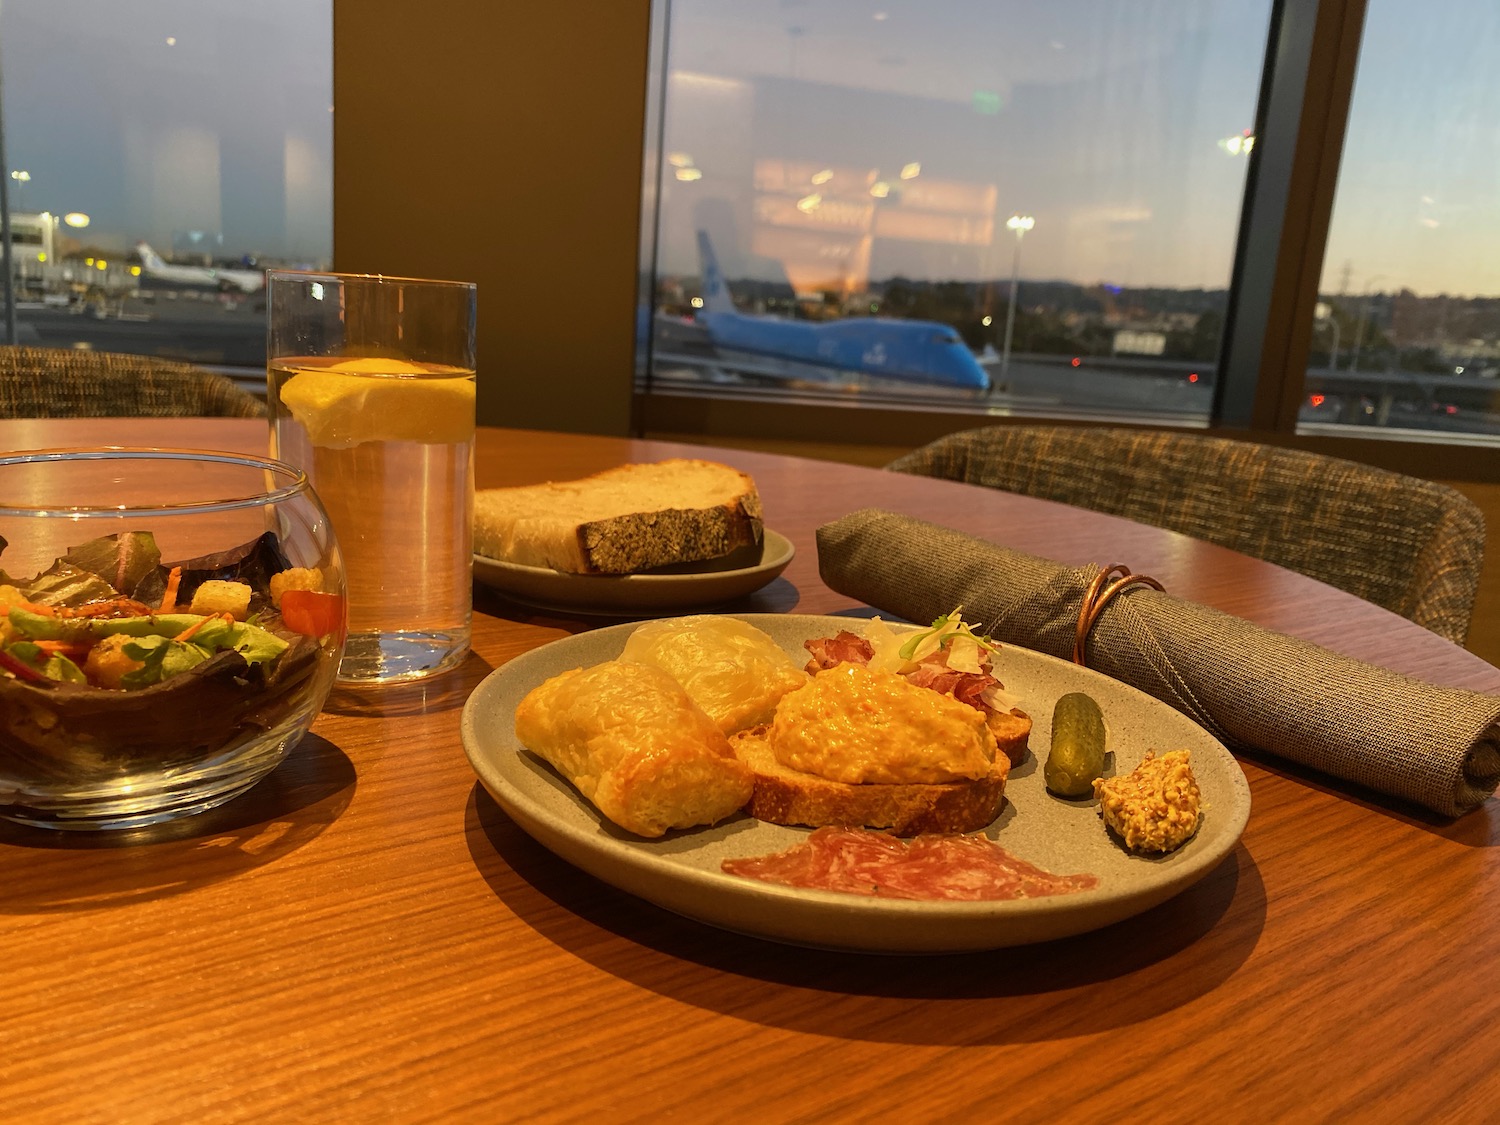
[[113, 662], [109, 614]]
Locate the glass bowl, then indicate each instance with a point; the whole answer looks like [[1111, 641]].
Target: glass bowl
[[171, 621]]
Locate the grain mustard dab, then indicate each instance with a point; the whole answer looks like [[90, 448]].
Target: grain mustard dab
[[1156, 807]]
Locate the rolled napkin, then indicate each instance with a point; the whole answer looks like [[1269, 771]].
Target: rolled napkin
[[1248, 686]]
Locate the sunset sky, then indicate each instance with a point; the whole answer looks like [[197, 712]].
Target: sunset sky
[[1105, 121]]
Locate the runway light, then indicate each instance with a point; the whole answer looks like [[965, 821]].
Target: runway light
[[911, 171], [1193, 378], [1077, 361], [101, 264], [880, 189], [135, 271], [42, 257], [809, 203], [986, 321], [1316, 400], [822, 177]]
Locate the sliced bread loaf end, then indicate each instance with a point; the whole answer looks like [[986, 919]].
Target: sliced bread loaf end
[[623, 520]]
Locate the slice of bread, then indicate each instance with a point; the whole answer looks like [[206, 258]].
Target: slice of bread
[[787, 796], [623, 520], [1012, 731]]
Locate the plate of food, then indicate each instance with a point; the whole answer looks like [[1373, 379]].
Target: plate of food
[[736, 769], [638, 539]]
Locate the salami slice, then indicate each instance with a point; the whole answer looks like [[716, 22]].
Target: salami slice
[[862, 862]]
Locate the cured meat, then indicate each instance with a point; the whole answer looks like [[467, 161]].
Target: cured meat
[[845, 648], [933, 671], [861, 862]]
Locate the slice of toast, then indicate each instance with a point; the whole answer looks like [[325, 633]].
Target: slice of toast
[[787, 796], [623, 520]]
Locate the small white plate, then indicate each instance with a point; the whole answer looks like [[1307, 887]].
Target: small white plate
[[684, 587], [681, 871]]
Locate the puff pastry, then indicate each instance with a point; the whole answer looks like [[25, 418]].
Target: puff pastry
[[633, 742], [731, 669]]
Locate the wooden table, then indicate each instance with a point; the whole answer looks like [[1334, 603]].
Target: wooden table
[[365, 936]]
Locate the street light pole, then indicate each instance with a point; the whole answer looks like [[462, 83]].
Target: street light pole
[[1364, 315], [1020, 224]]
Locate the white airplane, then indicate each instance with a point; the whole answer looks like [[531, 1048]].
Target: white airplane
[[246, 281]]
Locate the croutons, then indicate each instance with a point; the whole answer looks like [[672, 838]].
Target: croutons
[[295, 578], [215, 597], [107, 663]]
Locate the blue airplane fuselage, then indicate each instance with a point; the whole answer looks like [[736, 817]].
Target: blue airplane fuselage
[[905, 350]]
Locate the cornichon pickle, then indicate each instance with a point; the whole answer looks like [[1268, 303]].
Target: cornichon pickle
[[1077, 754]]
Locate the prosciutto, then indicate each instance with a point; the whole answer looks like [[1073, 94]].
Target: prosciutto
[[933, 672], [844, 648], [863, 862]]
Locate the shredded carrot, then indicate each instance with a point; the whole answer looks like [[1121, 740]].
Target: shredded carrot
[[76, 648], [38, 609], [196, 625], [169, 599]]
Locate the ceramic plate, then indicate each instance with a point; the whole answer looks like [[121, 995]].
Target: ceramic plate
[[681, 871], [689, 586]]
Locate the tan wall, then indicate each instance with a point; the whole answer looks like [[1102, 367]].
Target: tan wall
[[500, 143]]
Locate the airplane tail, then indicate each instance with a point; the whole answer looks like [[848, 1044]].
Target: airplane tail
[[149, 257], [716, 296]]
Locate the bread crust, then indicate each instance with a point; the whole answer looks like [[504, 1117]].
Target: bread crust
[[623, 520], [786, 796]]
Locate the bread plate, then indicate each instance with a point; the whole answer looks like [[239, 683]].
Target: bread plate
[[681, 871], [683, 587]]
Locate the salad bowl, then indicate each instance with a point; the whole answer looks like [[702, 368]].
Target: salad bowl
[[171, 621]]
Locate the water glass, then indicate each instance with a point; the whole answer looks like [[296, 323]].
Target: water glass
[[371, 387]]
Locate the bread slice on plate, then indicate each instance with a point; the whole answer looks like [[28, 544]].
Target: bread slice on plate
[[622, 521], [788, 796]]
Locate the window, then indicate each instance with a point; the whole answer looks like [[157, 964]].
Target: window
[[1407, 328], [1073, 189], [159, 155], [1059, 184]]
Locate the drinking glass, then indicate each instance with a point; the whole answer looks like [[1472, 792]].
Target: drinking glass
[[370, 381]]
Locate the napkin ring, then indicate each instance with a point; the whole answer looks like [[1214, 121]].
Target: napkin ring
[[1098, 595]]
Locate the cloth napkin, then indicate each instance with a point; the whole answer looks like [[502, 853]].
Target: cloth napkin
[[1248, 686]]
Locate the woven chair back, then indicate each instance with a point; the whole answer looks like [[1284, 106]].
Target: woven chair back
[[1413, 546], [64, 383]]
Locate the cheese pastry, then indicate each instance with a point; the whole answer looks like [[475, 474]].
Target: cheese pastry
[[632, 741]]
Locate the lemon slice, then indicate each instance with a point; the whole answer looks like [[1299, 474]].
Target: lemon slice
[[368, 399]]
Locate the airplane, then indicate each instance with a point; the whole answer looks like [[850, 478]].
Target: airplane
[[246, 281], [906, 351]]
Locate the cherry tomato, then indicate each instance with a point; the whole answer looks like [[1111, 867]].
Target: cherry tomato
[[312, 612]]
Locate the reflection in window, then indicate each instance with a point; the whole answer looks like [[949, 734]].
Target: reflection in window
[[1059, 187], [1407, 331], [160, 155]]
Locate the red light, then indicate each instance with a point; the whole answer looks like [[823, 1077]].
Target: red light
[[1077, 362], [1193, 378], [1316, 400]]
